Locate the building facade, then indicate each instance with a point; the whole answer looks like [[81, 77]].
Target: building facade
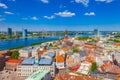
[[25, 53], [26, 70], [12, 64], [9, 31], [41, 74], [24, 33]]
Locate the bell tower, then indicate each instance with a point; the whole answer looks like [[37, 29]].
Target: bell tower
[[66, 34]]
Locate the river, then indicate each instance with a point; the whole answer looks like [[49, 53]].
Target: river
[[5, 44]]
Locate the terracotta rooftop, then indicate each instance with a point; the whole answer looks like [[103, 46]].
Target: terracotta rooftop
[[65, 49], [113, 69], [117, 44], [65, 76], [89, 59], [14, 61], [75, 67], [105, 65], [60, 58]]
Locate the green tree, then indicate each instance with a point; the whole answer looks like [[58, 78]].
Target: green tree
[[50, 45], [76, 50], [15, 55], [83, 38], [94, 66]]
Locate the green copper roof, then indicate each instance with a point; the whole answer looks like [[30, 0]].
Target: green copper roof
[[38, 75], [69, 53]]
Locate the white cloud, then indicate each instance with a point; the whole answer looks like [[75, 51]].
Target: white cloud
[[107, 1], [34, 18], [2, 19], [84, 2], [49, 17], [90, 14], [3, 5], [65, 14], [30, 18], [45, 1], [6, 12]]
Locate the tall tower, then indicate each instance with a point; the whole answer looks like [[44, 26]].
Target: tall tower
[[24, 33], [96, 33], [66, 34], [9, 31]]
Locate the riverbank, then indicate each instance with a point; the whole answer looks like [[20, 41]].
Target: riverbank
[[13, 44]]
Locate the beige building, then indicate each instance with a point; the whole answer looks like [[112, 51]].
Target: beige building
[[12, 64], [25, 53], [73, 60], [26, 70]]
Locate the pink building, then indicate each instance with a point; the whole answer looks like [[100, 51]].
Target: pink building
[[73, 60]]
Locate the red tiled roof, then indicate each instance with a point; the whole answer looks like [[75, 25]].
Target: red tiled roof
[[66, 49], [117, 44], [105, 65], [14, 61], [75, 67], [60, 58], [65, 76], [89, 59], [113, 69]]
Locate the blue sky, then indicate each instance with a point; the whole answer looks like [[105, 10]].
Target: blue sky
[[60, 14]]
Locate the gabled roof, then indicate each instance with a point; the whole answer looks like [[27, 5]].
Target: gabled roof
[[28, 61], [83, 54], [60, 58], [45, 61], [51, 54]]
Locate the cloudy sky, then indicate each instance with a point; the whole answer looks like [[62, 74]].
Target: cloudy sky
[[60, 14]]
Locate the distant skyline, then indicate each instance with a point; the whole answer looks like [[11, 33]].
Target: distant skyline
[[57, 15]]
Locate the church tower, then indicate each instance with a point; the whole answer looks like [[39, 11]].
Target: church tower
[[66, 34]]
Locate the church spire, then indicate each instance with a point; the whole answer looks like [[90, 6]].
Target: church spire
[[66, 34]]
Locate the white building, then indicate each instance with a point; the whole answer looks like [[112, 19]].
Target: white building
[[60, 65], [25, 53], [84, 68], [26, 70], [32, 64]]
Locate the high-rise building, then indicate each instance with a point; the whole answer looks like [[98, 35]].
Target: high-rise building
[[24, 33], [15, 33], [96, 33], [9, 31]]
